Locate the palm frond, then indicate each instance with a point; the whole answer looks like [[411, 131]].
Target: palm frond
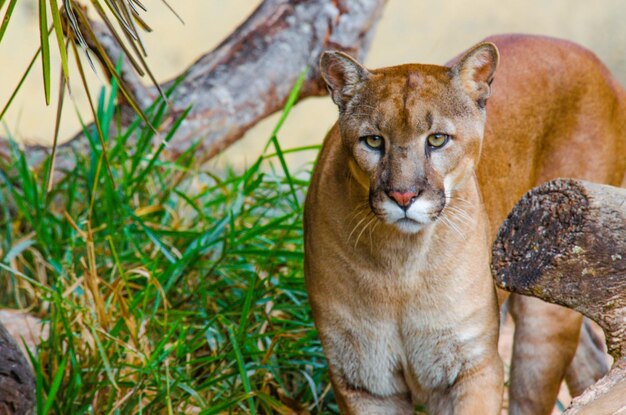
[[124, 21]]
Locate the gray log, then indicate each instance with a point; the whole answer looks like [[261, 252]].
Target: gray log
[[17, 383]]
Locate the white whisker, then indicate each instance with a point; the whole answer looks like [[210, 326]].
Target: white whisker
[[460, 215], [458, 199], [363, 230], [359, 209], [356, 226], [459, 222], [452, 226], [371, 231]]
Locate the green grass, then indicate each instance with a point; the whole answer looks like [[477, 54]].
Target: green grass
[[165, 288]]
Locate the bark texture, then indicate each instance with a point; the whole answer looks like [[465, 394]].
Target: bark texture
[[17, 383], [249, 75], [606, 397], [565, 242]]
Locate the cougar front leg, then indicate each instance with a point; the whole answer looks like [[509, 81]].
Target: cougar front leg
[[356, 401], [366, 378], [546, 337], [476, 392]]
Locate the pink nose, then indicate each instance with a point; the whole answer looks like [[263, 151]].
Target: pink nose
[[403, 199]]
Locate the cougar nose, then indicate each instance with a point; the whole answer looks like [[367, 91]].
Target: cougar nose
[[403, 199]]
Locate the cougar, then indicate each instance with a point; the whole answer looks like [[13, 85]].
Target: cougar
[[400, 216]]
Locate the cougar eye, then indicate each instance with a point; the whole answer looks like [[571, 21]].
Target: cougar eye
[[437, 140], [375, 142]]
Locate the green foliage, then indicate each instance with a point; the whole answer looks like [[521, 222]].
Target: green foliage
[[164, 288]]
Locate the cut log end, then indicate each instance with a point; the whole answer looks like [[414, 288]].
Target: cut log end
[[565, 242], [544, 224]]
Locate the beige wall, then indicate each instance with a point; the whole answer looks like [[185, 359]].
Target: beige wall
[[429, 31]]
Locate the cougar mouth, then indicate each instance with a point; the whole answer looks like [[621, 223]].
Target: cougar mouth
[[408, 225], [406, 219], [409, 220]]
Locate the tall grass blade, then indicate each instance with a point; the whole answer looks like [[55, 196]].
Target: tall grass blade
[[57, 125], [39, 380], [93, 111], [162, 146], [45, 48], [231, 403], [54, 387], [138, 68], [20, 83], [58, 31], [105, 359], [127, 13], [291, 101], [7, 18], [242, 368]]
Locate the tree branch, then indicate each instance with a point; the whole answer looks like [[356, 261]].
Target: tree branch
[[249, 75]]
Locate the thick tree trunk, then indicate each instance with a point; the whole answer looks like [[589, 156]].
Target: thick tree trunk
[[17, 384], [249, 75], [565, 242]]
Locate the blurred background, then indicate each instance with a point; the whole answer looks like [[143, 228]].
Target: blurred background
[[426, 31]]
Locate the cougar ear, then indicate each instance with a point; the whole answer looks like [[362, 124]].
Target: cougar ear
[[476, 70], [342, 74]]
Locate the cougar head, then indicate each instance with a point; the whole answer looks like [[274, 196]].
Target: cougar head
[[413, 132]]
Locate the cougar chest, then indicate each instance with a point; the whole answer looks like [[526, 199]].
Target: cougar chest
[[409, 352], [411, 327]]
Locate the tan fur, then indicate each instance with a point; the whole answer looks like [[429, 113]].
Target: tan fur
[[407, 312]]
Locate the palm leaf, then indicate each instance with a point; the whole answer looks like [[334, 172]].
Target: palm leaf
[[124, 20], [111, 68]]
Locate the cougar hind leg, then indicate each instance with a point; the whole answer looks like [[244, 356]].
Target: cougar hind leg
[[545, 342], [589, 363]]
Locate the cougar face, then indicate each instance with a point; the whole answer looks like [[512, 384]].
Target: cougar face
[[414, 132]]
